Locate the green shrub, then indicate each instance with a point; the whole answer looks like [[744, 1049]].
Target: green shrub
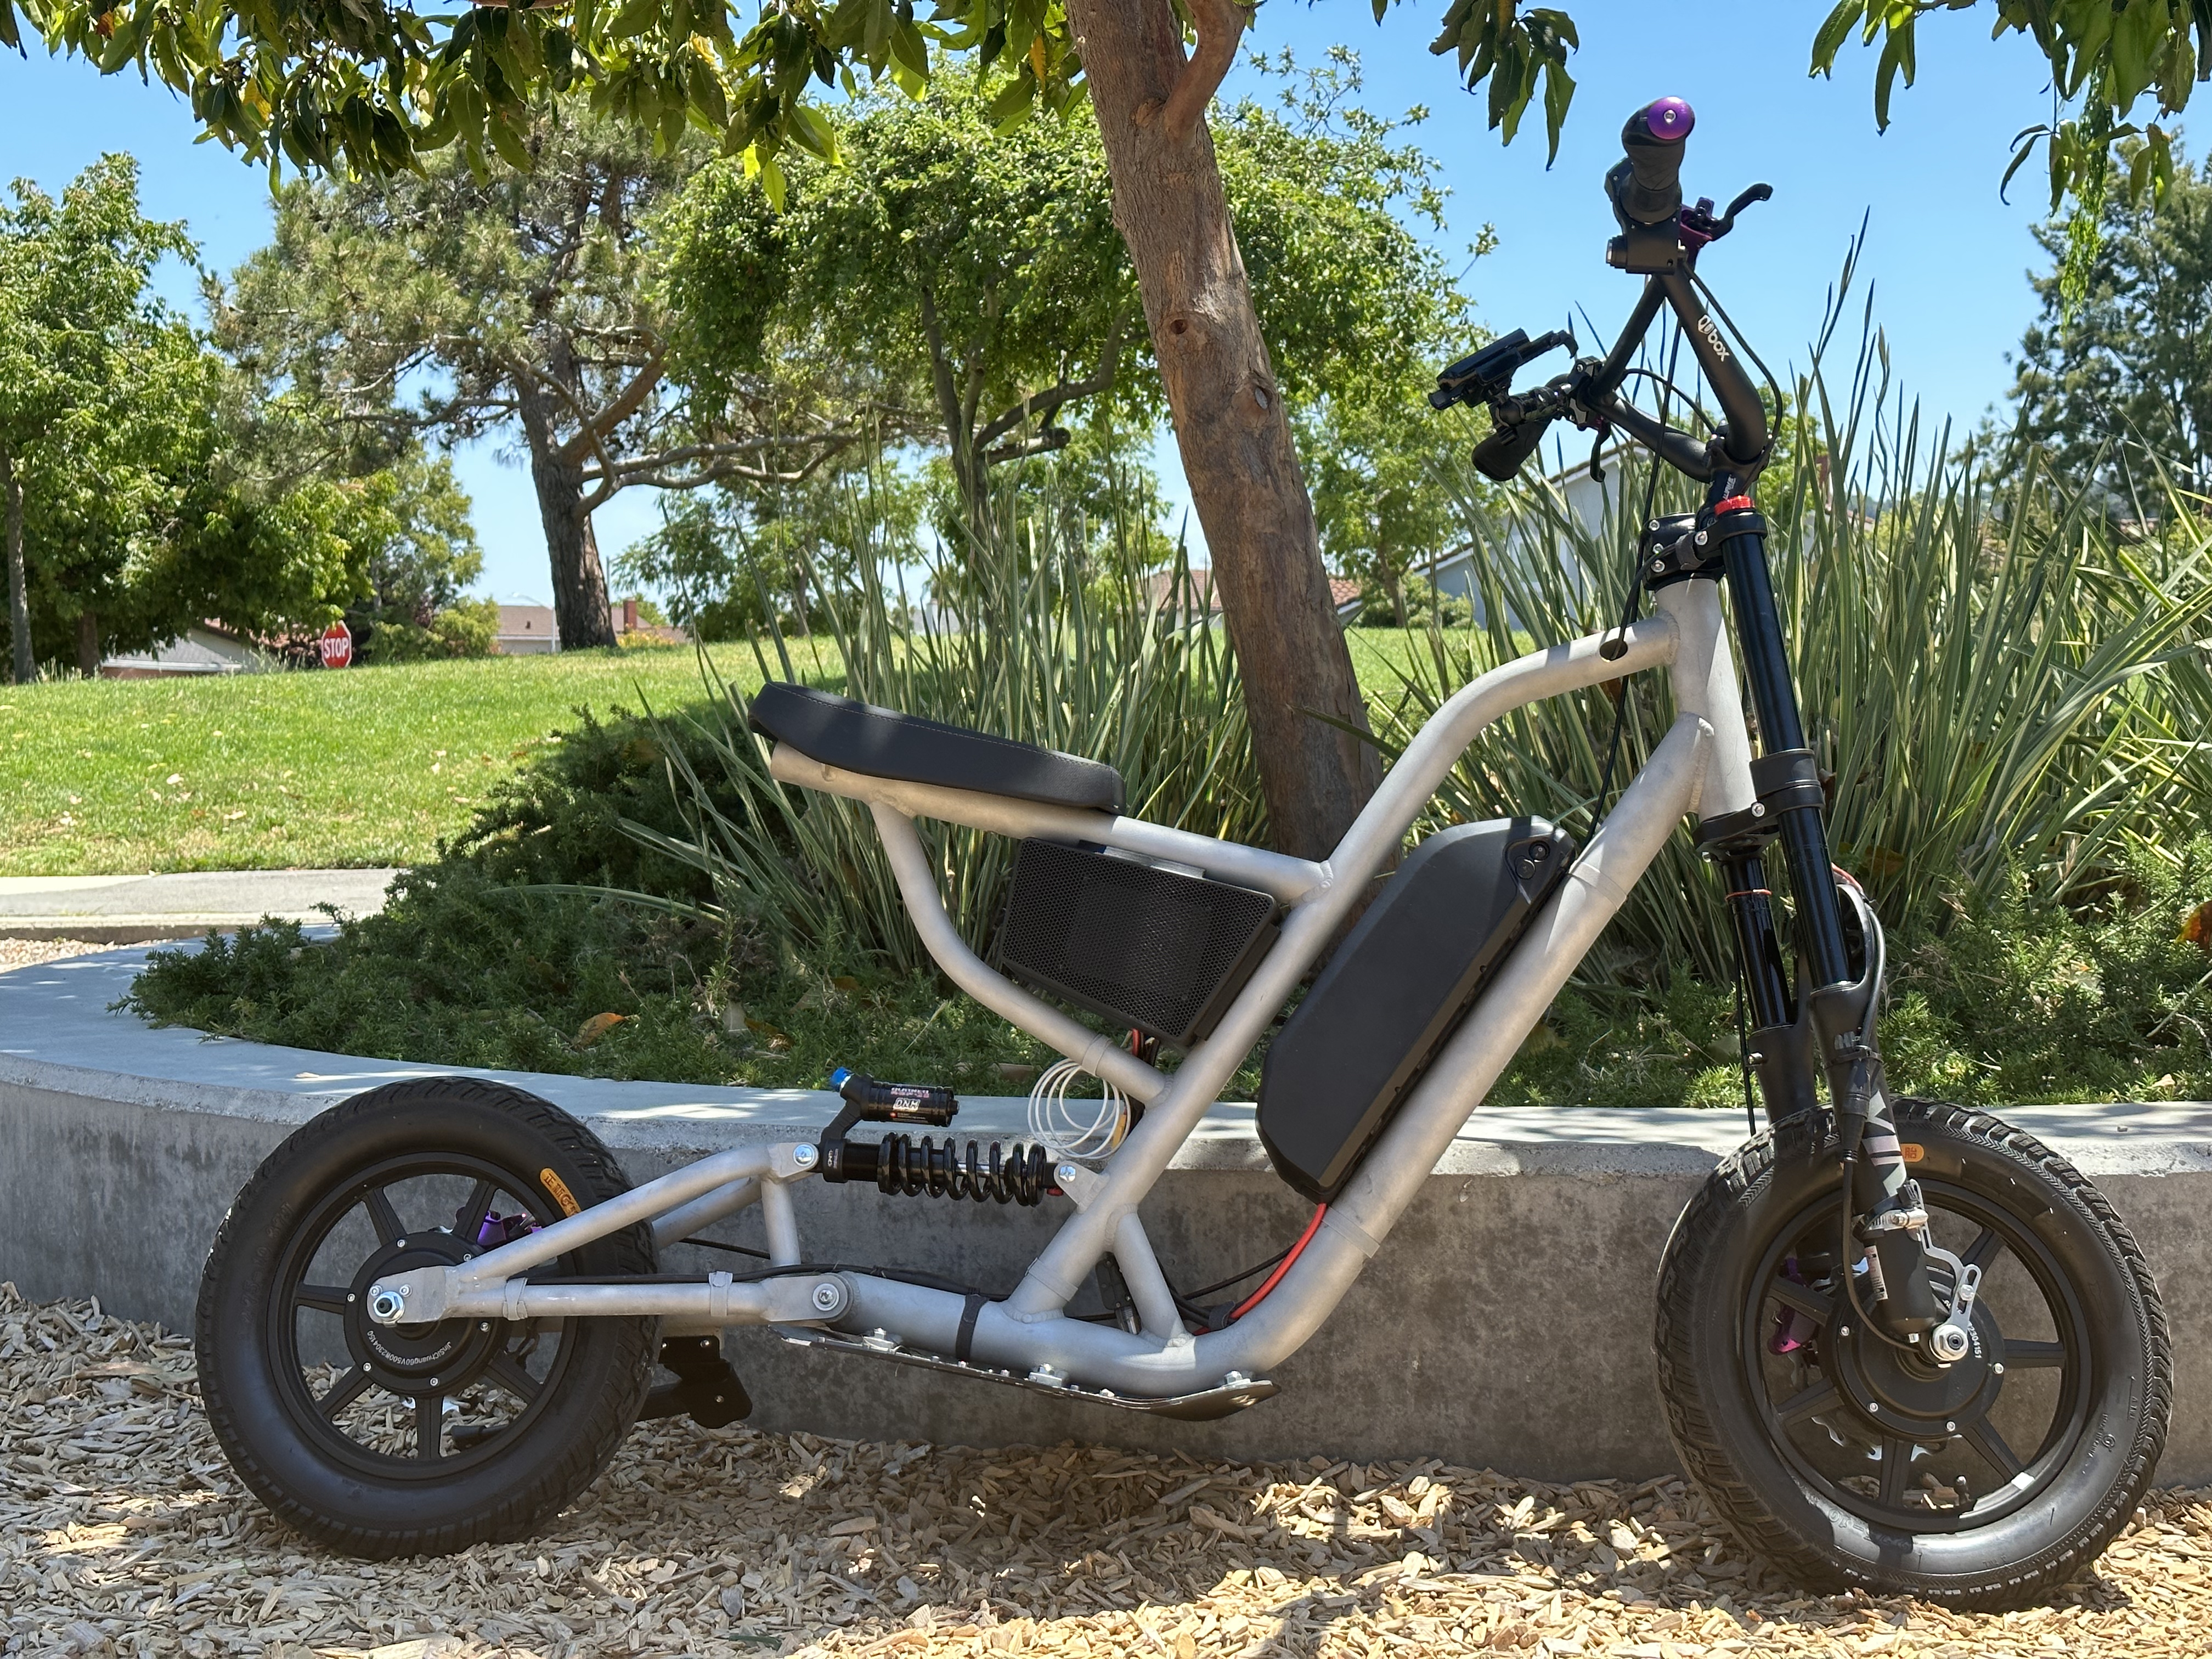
[[466, 627], [475, 962], [2015, 1001]]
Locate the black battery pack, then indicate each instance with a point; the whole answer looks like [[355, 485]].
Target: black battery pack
[[1396, 990]]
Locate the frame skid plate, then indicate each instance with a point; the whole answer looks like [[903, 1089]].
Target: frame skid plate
[[1224, 1398]]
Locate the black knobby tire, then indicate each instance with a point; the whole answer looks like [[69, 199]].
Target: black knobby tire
[[1830, 1452], [304, 1395]]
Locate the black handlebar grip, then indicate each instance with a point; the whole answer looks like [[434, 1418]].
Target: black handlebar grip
[[1651, 194], [1500, 456]]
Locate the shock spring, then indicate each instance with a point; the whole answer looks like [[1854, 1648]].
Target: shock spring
[[1015, 1175]]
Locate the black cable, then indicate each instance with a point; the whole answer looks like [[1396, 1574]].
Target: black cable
[[1238, 1279], [1668, 386], [1632, 603], [1749, 350], [734, 1250], [1743, 1056]]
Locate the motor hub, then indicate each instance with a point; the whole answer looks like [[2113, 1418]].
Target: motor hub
[[444, 1357], [1904, 1392]]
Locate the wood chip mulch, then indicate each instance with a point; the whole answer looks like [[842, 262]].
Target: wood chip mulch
[[24, 952], [124, 1532]]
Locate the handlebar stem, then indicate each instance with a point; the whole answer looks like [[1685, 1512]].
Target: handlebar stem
[[1746, 440]]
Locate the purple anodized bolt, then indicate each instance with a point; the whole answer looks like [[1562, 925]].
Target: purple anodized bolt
[[1670, 120]]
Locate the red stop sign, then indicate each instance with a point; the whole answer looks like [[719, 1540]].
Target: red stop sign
[[336, 646]]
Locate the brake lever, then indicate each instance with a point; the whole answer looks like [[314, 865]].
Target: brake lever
[[1698, 225], [1744, 197]]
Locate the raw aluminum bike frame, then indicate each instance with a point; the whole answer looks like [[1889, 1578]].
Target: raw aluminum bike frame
[[1702, 766]]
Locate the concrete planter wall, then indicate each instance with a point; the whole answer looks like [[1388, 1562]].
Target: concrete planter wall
[[1505, 1323]]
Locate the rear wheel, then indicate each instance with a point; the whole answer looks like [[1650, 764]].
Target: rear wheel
[[414, 1439], [1848, 1461]]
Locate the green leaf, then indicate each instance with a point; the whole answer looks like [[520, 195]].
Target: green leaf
[[2023, 145], [812, 131], [1559, 93], [1896, 54], [910, 51], [1014, 101], [1834, 33], [771, 182], [635, 18], [2138, 32], [508, 142], [706, 95]]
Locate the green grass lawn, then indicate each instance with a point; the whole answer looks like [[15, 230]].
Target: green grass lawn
[[369, 767], [299, 770]]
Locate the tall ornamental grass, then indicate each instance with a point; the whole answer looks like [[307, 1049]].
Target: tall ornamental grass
[[2002, 687], [1996, 681], [1049, 631]]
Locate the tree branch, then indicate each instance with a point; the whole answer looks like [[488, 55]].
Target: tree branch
[[592, 432], [1220, 26], [1052, 438], [1043, 405], [661, 479]]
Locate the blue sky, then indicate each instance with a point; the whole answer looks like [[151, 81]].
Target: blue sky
[[1948, 258]]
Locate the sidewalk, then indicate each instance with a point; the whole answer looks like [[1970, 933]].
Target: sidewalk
[[120, 909]]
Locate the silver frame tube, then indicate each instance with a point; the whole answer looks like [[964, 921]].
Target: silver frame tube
[[1702, 766]]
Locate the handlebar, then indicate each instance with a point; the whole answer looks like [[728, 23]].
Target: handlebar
[[1646, 187], [1660, 240]]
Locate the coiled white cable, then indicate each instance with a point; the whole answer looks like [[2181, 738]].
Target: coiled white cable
[[1054, 1119]]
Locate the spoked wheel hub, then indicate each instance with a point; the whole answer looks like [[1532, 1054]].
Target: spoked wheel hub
[[416, 1399], [416, 1438], [407, 1359], [1897, 1390], [1884, 1430], [1851, 1461]]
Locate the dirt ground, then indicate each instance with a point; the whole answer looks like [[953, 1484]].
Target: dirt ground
[[123, 1531]]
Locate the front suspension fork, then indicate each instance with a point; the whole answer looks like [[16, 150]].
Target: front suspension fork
[[1831, 1029]]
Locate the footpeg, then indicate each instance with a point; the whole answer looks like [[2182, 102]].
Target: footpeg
[[706, 1389]]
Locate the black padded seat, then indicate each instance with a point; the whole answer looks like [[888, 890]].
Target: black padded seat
[[858, 736]]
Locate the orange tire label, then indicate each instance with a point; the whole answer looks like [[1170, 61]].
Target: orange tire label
[[559, 1190], [1913, 1151]]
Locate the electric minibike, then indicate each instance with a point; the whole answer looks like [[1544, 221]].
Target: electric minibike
[[1901, 1345]]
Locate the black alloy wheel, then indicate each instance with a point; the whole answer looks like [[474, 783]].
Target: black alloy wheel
[[421, 1438], [1848, 1458]]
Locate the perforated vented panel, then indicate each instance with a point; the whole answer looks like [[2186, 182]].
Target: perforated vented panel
[[1145, 946]]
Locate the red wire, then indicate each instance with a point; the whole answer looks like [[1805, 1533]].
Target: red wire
[[1282, 1267]]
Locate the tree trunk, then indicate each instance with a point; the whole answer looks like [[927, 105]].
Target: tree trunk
[[1232, 430], [579, 582], [19, 598], [87, 643]]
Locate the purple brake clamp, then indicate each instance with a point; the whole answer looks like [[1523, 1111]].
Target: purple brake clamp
[[498, 1230], [1794, 1330]]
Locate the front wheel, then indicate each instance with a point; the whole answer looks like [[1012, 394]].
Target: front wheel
[[1848, 1461]]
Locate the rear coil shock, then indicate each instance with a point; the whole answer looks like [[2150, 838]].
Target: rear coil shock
[[1016, 1174]]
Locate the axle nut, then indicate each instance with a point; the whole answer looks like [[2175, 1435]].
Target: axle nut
[[1949, 1343], [384, 1307]]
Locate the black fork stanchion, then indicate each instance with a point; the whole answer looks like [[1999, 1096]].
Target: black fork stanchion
[[1779, 1056], [1837, 1010], [1781, 729]]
